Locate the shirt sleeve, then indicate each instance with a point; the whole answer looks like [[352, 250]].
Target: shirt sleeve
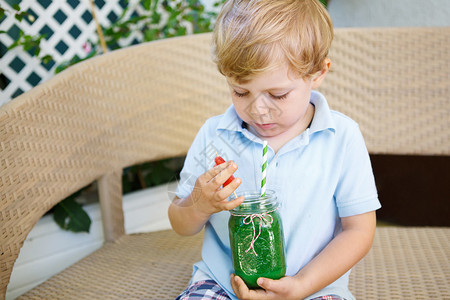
[[356, 191]]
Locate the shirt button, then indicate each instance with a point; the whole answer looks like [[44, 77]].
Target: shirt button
[[276, 165]]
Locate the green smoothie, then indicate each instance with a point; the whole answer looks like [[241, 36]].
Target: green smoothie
[[256, 240]]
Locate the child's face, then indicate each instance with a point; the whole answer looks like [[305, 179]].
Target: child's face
[[274, 104]]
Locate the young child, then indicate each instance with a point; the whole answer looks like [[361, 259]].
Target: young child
[[273, 54]]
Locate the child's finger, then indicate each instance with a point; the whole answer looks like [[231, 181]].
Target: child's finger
[[281, 287], [212, 173], [224, 174], [241, 287], [234, 285], [268, 284], [238, 285], [229, 205], [228, 190]]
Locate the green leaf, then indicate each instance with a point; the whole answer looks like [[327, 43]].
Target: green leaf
[[124, 12], [27, 45], [46, 59], [167, 7], [151, 34], [324, 2], [147, 4], [189, 18], [159, 174], [16, 7], [13, 45], [126, 185], [62, 66], [156, 18], [18, 17], [133, 20], [218, 3], [181, 31], [69, 215]]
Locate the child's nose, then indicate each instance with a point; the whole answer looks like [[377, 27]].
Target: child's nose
[[260, 107]]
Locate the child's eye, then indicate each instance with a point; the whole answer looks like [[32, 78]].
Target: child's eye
[[240, 94], [279, 97]]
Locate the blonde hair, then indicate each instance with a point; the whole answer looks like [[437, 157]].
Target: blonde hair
[[255, 36]]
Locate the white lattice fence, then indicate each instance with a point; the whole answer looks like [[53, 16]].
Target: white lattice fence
[[68, 25]]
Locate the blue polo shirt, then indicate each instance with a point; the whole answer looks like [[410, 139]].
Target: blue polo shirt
[[319, 176]]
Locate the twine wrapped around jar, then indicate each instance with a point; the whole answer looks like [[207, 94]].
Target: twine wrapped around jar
[[263, 218]]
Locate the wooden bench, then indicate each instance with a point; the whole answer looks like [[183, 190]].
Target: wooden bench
[[146, 103]]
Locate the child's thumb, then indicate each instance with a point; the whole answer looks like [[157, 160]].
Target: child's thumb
[[270, 284]]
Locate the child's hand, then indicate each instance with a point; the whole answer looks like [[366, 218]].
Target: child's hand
[[208, 197], [284, 288]]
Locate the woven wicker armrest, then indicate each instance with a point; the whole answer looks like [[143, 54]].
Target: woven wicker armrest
[[147, 102], [126, 107]]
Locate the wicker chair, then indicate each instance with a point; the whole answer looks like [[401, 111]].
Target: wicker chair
[[146, 103]]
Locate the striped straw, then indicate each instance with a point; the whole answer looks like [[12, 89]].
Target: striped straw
[[264, 168]]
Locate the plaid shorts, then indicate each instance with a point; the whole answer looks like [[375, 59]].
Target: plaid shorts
[[209, 289], [205, 289], [329, 297]]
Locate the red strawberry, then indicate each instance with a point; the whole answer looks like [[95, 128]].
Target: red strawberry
[[219, 160]]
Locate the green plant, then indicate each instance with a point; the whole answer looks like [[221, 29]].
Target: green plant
[[150, 174], [160, 19], [70, 215], [31, 44], [151, 20]]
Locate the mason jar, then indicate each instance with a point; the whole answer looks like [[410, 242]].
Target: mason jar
[[256, 238]]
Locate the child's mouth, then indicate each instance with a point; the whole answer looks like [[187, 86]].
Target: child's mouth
[[265, 126]]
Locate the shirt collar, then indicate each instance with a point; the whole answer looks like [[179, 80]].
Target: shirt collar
[[322, 119], [230, 121]]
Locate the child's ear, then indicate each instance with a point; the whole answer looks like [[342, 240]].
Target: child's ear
[[318, 78]]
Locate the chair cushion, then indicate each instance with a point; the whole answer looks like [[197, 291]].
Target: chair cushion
[[404, 263], [156, 265]]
